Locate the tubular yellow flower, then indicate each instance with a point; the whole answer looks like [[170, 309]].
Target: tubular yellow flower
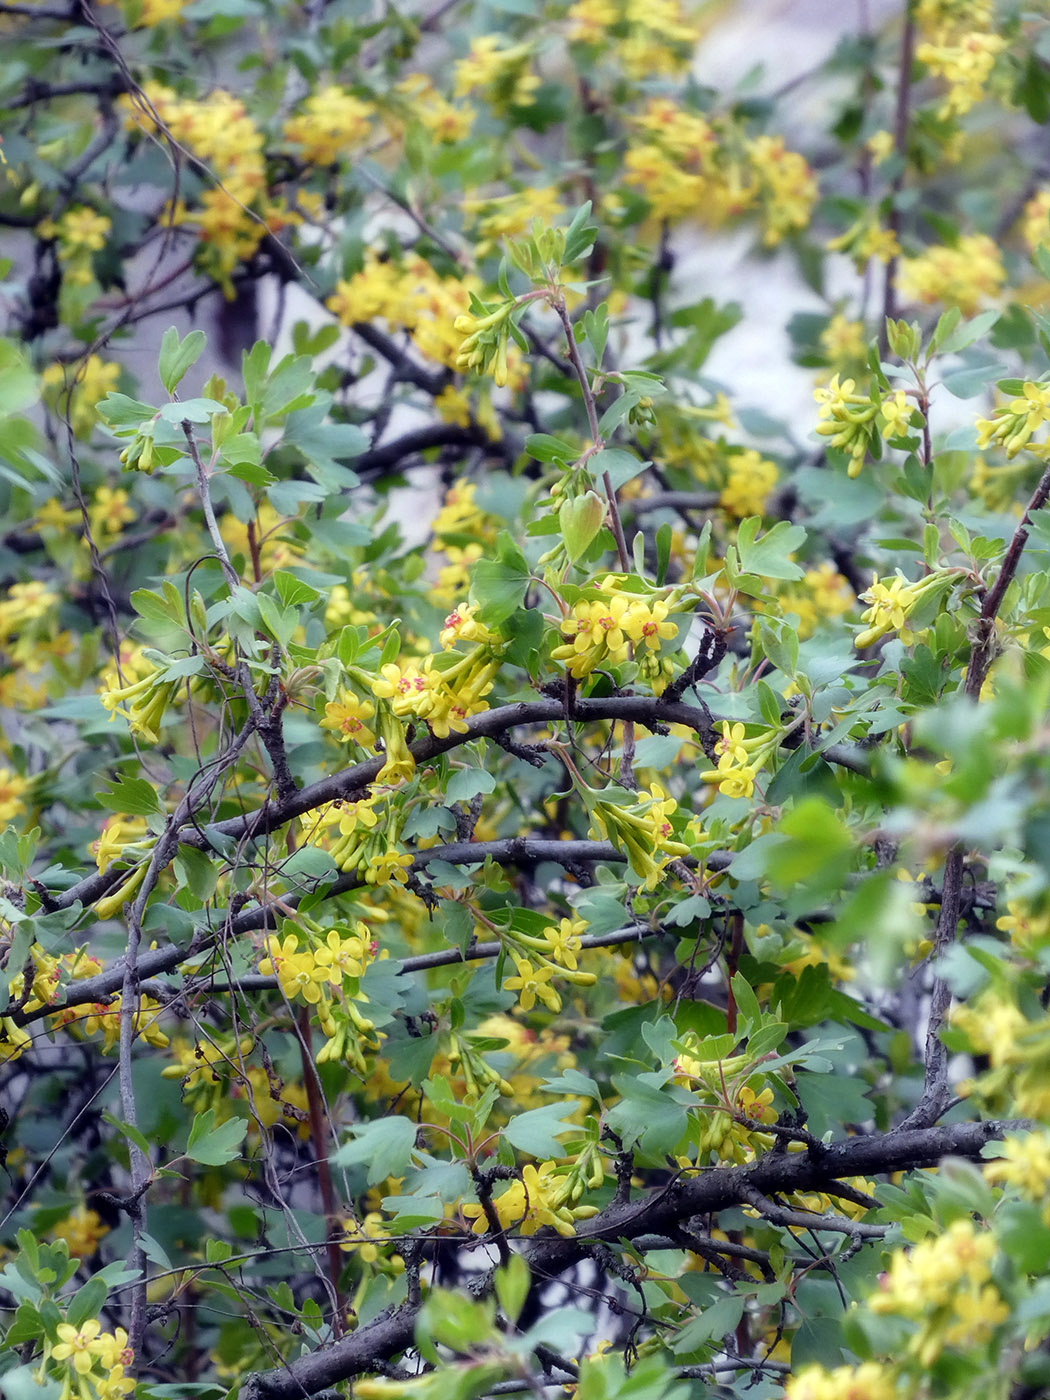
[[890, 605], [79, 1345], [347, 717], [532, 982]]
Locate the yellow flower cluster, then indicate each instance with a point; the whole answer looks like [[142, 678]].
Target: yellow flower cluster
[[95, 1356], [1035, 220], [687, 167], [444, 696], [462, 531], [109, 511], [740, 760], [214, 1075], [543, 1196], [1025, 1164], [420, 101], [411, 296], [1018, 1050], [1029, 929], [642, 830], [105, 1017], [364, 1238], [23, 604], [316, 967], [890, 605], [82, 1229], [352, 835], [90, 381], [13, 788], [218, 131], [146, 14], [499, 71], [943, 1286], [604, 630], [142, 703], [958, 45], [750, 478], [306, 971], [539, 960], [961, 276], [1013, 425], [50, 974], [81, 232], [869, 1381], [852, 421], [843, 342], [330, 126], [647, 37], [732, 1100], [864, 240], [503, 216]]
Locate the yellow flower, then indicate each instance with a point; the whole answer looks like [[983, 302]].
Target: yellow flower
[[890, 606], [962, 276], [1025, 1163], [109, 511], [869, 1381], [79, 1344], [295, 969], [405, 687], [749, 482], [532, 982], [563, 941], [345, 956], [734, 779], [12, 788], [388, 865], [83, 230], [330, 125], [365, 1237], [346, 717]]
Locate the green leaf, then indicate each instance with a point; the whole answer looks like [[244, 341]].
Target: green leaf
[[580, 235], [190, 411], [128, 1131], [768, 557], [293, 591], [537, 1130], [134, 797], [466, 783], [542, 447], [214, 1146], [651, 1115], [86, 1302], [386, 1144], [197, 871], [512, 1287], [19, 388], [620, 465], [153, 608], [176, 357], [965, 334], [499, 585]]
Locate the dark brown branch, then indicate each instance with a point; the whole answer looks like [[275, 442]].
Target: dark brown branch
[[660, 1211], [936, 1094]]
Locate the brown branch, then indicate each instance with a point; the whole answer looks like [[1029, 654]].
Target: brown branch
[[900, 146], [936, 1094], [660, 1211]]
